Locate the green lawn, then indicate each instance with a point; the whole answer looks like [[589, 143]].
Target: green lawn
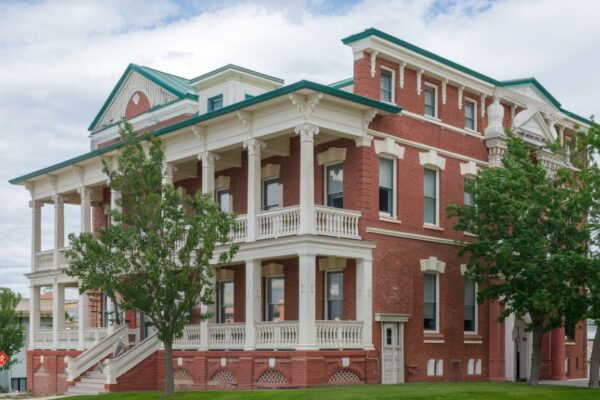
[[452, 391]]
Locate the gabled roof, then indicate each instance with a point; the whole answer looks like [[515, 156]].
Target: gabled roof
[[236, 68], [180, 87], [342, 83], [282, 91], [461, 68]]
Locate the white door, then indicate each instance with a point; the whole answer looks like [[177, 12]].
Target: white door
[[392, 353]]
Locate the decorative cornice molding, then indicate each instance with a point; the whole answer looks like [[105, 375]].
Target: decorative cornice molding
[[469, 169], [433, 265], [389, 147], [432, 159]]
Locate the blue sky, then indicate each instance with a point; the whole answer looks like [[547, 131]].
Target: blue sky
[[60, 59]]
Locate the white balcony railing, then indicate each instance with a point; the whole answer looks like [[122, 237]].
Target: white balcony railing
[[279, 222], [43, 339], [190, 339], [337, 222], [339, 334], [93, 336], [276, 335], [44, 260], [239, 235], [226, 336], [68, 339]]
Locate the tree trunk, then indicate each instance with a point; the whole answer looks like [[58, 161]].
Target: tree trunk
[[169, 379], [536, 355], [595, 361]]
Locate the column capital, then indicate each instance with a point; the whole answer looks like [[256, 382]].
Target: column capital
[[36, 205], [254, 146], [168, 171], [58, 199], [85, 191], [307, 132], [208, 157]]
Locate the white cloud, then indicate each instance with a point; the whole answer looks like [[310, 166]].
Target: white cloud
[[59, 60]]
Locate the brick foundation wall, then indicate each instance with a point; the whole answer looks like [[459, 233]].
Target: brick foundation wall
[[46, 370]]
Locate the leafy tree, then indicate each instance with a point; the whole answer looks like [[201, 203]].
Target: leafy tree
[[157, 254], [12, 334], [532, 237]]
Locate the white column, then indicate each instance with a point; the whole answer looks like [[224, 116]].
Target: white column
[[253, 301], [110, 314], [208, 172], [86, 209], [59, 227], [364, 299], [36, 231], [307, 133], [84, 318], [253, 146], [58, 311], [307, 332], [168, 174], [206, 308], [115, 195], [34, 314]]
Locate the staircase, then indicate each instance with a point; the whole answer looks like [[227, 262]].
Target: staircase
[[91, 382]]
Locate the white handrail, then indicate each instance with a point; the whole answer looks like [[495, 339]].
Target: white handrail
[[226, 336], [339, 334], [278, 222], [93, 355], [190, 338], [276, 335], [337, 222], [115, 367]]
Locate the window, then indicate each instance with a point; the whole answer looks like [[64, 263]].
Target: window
[[386, 186], [270, 193], [226, 302], [275, 298], [470, 120], [430, 191], [214, 103], [430, 305], [334, 185], [468, 197], [19, 384], [470, 306], [335, 295], [570, 329], [223, 200], [386, 86], [431, 101]]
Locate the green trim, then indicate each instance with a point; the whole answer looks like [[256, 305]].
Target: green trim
[[177, 85], [248, 96], [282, 91], [507, 83], [209, 103], [534, 82], [343, 83], [238, 68], [375, 32]]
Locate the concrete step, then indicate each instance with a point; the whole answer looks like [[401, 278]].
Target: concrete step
[[91, 385], [94, 375], [83, 390], [86, 379]]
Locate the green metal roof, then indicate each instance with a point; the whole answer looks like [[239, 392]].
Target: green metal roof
[[342, 83], [507, 83], [213, 114], [177, 85], [238, 68]]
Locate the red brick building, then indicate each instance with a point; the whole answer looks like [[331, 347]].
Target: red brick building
[[347, 270]]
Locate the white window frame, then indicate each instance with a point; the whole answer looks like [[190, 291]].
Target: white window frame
[[476, 314], [437, 303], [262, 193], [474, 102], [267, 293], [325, 166], [437, 198], [393, 86], [325, 296], [219, 299], [394, 189], [435, 101]]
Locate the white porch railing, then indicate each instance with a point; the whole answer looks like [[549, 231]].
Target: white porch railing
[[276, 335], [226, 336], [44, 260], [337, 222], [115, 367], [239, 235], [279, 222], [43, 339], [190, 339], [93, 336], [95, 354], [339, 334], [68, 339]]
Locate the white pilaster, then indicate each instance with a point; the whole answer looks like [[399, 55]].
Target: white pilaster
[[208, 172], [253, 297], [84, 318], [36, 231], [58, 311], [307, 332], [34, 314], [59, 227], [364, 299], [86, 209], [307, 134], [253, 206]]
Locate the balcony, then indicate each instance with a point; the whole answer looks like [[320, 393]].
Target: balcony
[[273, 336], [68, 339]]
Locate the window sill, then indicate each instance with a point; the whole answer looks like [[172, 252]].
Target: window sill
[[472, 338], [387, 218], [472, 131], [469, 234], [433, 227], [435, 119], [569, 343], [430, 337]]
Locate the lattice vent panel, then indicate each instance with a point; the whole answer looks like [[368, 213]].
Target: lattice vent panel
[[183, 377], [344, 375], [223, 377], [272, 377]]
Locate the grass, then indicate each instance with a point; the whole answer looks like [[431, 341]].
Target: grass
[[430, 391]]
